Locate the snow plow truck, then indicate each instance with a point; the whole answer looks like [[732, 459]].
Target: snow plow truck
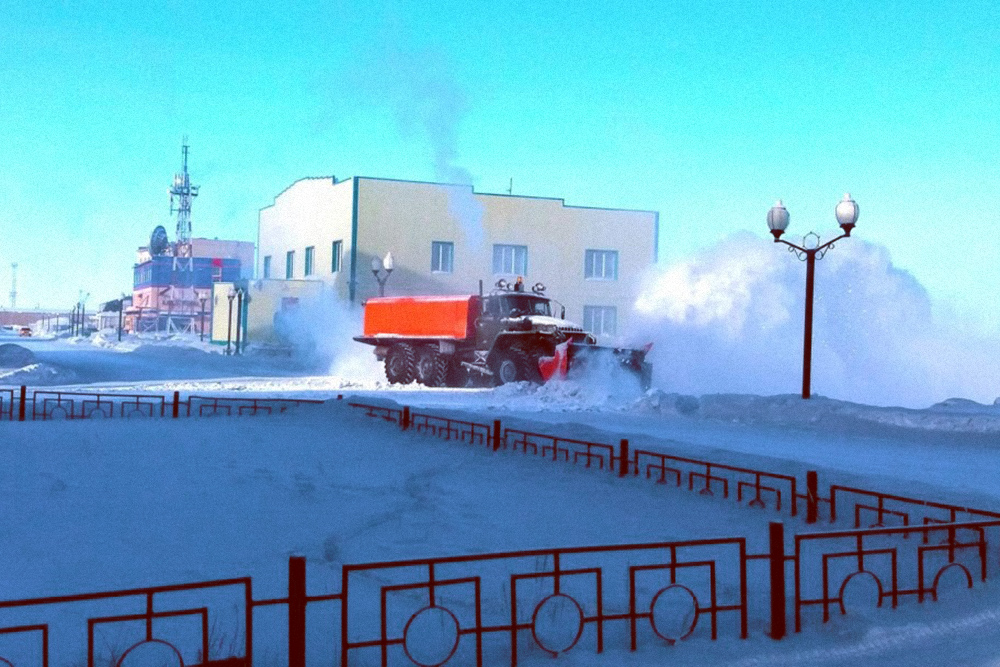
[[507, 336]]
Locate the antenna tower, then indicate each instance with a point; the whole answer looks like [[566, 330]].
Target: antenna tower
[[184, 192], [13, 285]]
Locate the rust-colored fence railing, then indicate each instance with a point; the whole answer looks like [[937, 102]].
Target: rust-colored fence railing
[[758, 488], [709, 479], [490, 608], [482, 609], [879, 510], [826, 563], [47, 405], [147, 625]]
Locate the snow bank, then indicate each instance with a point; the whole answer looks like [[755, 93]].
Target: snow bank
[[830, 415], [116, 504], [38, 375]]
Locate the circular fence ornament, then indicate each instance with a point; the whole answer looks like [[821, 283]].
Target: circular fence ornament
[[951, 579], [151, 653], [861, 593], [58, 412], [431, 636], [673, 613], [4, 662], [557, 623]]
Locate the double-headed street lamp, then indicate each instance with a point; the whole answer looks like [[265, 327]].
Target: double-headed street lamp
[[377, 266], [811, 250]]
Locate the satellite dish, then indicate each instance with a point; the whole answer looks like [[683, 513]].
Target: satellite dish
[[158, 242]]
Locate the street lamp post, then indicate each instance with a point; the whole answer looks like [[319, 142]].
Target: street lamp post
[[377, 266], [229, 327], [201, 324], [811, 250], [239, 317], [121, 314]]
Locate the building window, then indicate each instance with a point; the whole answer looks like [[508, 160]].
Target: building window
[[267, 266], [600, 320], [310, 255], [511, 259], [600, 265], [289, 264], [338, 248], [442, 257]]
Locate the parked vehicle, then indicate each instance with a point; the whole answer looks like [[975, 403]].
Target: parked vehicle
[[508, 336], [25, 331]]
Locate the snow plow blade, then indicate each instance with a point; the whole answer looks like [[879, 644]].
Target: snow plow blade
[[571, 359]]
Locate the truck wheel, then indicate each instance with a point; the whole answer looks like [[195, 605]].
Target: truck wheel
[[514, 365], [459, 375], [441, 367], [432, 368], [400, 366]]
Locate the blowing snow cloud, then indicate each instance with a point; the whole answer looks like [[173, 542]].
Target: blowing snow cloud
[[731, 320]]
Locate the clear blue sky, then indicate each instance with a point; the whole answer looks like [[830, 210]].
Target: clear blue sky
[[705, 111]]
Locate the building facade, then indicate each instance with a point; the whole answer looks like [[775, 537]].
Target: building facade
[[445, 238], [173, 293]]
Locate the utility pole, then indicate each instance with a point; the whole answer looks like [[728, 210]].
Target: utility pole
[[13, 286]]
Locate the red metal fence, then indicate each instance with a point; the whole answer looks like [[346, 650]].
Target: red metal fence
[[441, 610], [758, 487], [44, 405], [435, 611]]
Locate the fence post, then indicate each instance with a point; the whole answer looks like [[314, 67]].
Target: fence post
[[296, 611], [21, 403], [404, 420], [623, 458], [177, 404], [777, 562], [812, 496], [496, 435]]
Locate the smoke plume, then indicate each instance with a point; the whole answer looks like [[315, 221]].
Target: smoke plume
[[320, 330], [427, 102], [731, 320]]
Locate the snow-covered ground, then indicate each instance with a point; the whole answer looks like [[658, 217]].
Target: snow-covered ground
[[92, 506]]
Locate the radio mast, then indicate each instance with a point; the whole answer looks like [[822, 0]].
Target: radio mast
[[184, 192]]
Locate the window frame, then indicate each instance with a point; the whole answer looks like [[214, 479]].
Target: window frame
[[289, 265], [439, 257], [499, 260], [603, 311], [590, 264], [310, 261], [266, 269], [336, 252]]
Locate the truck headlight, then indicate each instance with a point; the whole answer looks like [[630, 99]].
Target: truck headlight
[[547, 328]]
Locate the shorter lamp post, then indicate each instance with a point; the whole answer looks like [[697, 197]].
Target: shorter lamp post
[[121, 314], [377, 266], [201, 325], [229, 326], [239, 317], [811, 250]]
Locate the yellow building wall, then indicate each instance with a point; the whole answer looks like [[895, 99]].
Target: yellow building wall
[[311, 212], [265, 298], [404, 218]]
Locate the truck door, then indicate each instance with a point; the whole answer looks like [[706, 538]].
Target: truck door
[[489, 323]]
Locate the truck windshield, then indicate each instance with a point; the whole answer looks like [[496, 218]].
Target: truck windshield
[[521, 304]]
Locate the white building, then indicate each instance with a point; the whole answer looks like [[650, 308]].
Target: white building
[[444, 239]]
